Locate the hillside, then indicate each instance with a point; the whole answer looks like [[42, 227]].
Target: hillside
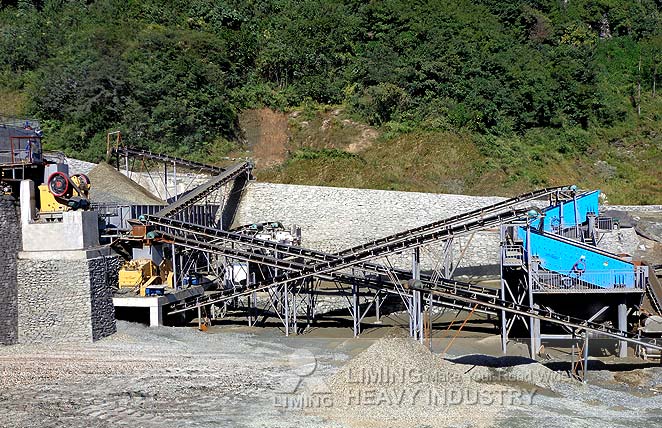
[[479, 97]]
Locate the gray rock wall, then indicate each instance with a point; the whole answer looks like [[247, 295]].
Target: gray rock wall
[[10, 231], [65, 300], [333, 219]]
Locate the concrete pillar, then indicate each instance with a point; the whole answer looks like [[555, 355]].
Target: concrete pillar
[[28, 201], [623, 326], [155, 316]]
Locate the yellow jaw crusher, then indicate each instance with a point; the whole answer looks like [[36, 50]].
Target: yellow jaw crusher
[[63, 193]]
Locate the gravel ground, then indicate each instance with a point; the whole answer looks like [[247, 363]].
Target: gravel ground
[[235, 377]]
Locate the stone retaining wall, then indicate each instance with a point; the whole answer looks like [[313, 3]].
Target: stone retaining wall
[[62, 300], [10, 231]]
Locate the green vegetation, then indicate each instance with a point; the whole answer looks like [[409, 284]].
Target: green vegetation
[[468, 96]]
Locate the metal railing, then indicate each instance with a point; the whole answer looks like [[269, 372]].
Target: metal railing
[[21, 150], [115, 217], [18, 122], [573, 233], [598, 281], [606, 223], [512, 255]]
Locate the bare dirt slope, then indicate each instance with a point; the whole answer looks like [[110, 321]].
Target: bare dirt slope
[[266, 135]]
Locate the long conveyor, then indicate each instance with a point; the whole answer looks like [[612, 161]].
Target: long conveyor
[[503, 206], [205, 189], [207, 239], [357, 259], [148, 154], [454, 291], [450, 290]]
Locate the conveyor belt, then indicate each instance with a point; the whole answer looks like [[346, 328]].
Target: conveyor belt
[[454, 291], [388, 248], [275, 262], [357, 259], [207, 239], [209, 242], [127, 151], [503, 206], [205, 189], [449, 290]]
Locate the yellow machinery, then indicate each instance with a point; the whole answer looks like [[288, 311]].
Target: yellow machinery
[[63, 193], [143, 273]]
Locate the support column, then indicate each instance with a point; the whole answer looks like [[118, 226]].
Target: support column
[[174, 268], [416, 264], [294, 313], [504, 327], [377, 307], [585, 368], [415, 315], [355, 309], [410, 315], [529, 281], [156, 316], [537, 340], [165, 179], [286, 309], [623, 326], [419, 313], [430, 321], [174, 179]]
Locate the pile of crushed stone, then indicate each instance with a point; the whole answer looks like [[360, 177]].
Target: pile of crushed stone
[[399, 382], [110, 186]]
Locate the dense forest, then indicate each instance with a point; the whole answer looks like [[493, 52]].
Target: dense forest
[[542, 90]]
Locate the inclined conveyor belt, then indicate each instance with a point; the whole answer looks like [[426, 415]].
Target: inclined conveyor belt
[[503, 206], [147, 154], [205, 189]]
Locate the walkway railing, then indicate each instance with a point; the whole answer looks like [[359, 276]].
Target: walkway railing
[[599, 281]]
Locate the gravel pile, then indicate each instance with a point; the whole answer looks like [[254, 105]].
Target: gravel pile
[[77, 166], [112, 187], [398, 382]]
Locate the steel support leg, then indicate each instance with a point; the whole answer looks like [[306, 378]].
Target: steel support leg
[[355, 309], [286, 309], [537, 342], [415, 298], [175, 276], [377, 307], [623, 326], [294, 313], [585, 368], [419, 314]]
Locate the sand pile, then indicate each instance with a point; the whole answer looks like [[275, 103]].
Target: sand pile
[[398, 382], [110, 186]]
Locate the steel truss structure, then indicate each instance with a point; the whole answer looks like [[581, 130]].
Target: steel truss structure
[[294, 274]]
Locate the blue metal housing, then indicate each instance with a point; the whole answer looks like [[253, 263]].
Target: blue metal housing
[[568, 213]]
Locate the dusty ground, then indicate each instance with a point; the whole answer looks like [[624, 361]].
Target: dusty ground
[[240, 377]]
